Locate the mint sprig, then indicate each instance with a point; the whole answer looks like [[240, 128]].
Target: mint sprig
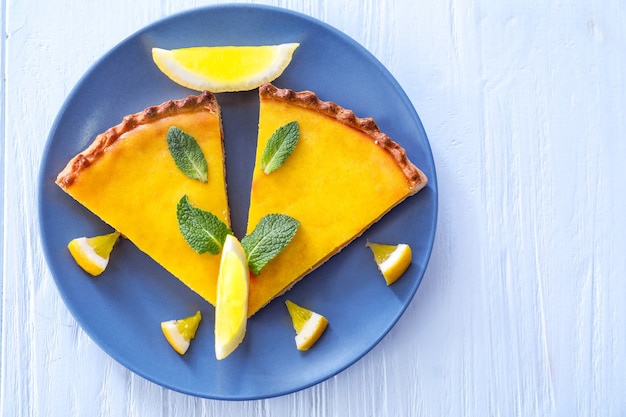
[[205, 232], [187, 154], [279, 146], [202, 230], [268, 239]]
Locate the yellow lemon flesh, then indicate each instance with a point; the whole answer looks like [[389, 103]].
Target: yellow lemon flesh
[[308, 325], [231, 307], [392, 260], [92, 253], [180, 332], [224, 68]]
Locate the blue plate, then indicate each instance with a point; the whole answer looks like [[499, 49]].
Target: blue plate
[[121, 310]]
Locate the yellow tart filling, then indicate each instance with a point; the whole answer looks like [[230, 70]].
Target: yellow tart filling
[[134, 185]]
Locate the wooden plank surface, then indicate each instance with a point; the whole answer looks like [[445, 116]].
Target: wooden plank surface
[[521, 311]]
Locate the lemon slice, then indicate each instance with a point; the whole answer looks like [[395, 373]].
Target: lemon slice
[[224, 68], [92, 253], [231, 307], [180, 332], [308, 325], [392, 260]]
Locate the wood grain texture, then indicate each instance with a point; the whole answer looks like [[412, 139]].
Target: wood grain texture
[[521, 311]]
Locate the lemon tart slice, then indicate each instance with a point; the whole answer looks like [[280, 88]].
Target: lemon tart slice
[[343, 175], [129, 179]]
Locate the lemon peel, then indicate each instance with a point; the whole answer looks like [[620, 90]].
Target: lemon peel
[[92, 253], [392, 260], [231, 307], [179, 333], [224, 68], [308, 325]]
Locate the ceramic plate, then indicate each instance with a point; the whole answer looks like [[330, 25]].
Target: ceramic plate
[[121, 309]]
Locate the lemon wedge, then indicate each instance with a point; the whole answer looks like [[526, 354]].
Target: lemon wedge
[[224, 68], [231, 307], [392, 260], [180, 332], [308, 325], [92, 253]]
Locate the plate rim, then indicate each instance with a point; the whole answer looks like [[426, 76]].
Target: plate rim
[[401, 94]]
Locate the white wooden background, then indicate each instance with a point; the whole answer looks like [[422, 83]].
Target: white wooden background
[[522, 311]]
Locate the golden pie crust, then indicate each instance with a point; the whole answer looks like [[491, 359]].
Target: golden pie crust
[[343, 176], [308, 181], [203, 102], [309, 100], [129, 179]]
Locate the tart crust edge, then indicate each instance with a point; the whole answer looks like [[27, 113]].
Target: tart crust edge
[[205, 101], [309, 100]]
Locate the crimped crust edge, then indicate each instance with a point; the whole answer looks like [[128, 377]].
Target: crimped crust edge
[[309, 100], [205, 101]]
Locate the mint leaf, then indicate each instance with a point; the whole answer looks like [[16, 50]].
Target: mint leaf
[[202, 230], [280, 146], [187, 154], [268, 239]]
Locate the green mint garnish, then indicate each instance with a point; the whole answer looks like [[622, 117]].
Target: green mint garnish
[[268, 239], [187, 154], [280, 146], [201, 229]]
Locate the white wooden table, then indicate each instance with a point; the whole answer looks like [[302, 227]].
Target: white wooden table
[[522, 310]]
